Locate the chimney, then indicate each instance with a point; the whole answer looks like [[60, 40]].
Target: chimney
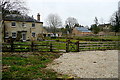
[[38, 17], [32, 17]]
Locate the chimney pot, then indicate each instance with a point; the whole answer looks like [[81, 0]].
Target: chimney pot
[[38, 17]]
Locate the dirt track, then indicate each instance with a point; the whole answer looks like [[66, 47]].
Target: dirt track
[[88, 64]]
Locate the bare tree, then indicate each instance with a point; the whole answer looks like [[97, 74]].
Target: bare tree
[[96, 21], [71, 21], [13, 7], [115, 22], [54, 21]]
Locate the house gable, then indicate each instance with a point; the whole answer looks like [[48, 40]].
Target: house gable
[[25, 25]]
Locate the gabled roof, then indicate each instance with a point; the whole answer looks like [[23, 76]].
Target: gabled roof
[[82, 29], [16, 17]]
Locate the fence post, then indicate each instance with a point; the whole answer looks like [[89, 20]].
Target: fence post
[[11, 43], [67, 46], [32, 46], [51, 47], [77, 46]]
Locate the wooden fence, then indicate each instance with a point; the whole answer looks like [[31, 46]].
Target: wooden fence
[[107, 45], [91, 46], [58, 46]]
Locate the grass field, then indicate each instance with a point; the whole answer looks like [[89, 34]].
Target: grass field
[[89, 38], [32, 65], [28, 66]]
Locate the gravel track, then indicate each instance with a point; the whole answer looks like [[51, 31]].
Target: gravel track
[[87, 64]]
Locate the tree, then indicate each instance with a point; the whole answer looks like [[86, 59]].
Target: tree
[[70, 23], [68, 29], [87, 26], [13, 7], [96, 21], [77, 25], [115, 22], [95, 27], [63, 30], [54, 22]]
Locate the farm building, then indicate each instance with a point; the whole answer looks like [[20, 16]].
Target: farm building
[[81, 31], [105, 27], [22, 27]]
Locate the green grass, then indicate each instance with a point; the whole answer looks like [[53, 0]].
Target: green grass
[[98, 38], [28, 65], [89, 38]]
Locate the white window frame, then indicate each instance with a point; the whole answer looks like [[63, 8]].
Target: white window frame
[[15, 35], [12, 23], [34, 34]]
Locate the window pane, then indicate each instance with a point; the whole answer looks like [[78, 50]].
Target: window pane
[[14, 35], [33, 24], [13, 24], [6, 35], [23, 24], [33, 34]]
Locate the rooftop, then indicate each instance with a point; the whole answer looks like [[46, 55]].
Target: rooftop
[[16, 17], [82, 29]]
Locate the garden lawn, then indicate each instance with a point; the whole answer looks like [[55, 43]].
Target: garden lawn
[[28, 66]]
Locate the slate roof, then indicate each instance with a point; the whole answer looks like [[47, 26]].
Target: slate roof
[[82, 29], [15, 17]]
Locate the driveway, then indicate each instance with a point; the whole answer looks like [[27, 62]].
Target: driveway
[[87, 64]]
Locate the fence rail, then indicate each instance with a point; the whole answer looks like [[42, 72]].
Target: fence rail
[[58, 46]]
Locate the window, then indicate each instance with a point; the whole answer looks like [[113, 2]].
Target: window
[[33, 24], [33, 34], [13, 24], [23, 25], [14, 35], [6, 35]]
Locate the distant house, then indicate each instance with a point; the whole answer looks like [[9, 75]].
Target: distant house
[[58, 34], [105, 27], [50, 32], [81, 31], [25, 26]]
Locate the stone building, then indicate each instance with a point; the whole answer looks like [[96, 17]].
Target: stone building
[[24, 27]]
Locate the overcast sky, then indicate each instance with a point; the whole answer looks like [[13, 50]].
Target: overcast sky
[[83, 10]]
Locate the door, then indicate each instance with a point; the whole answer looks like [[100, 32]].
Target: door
[[24, 36]]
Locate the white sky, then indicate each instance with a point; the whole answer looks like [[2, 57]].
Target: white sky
[[83, 10]]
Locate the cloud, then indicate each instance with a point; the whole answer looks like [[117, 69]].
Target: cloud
[[83, 10], [73, 1]]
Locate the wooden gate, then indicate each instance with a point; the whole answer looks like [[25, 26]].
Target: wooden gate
[[72, 46]]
